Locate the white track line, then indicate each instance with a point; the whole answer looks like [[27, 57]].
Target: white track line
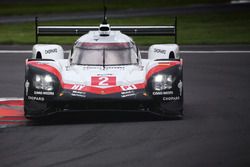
[[217, 51], [10, 98], [239, 1], [145, 51], [21, 51], [15, 51], [212, 52]]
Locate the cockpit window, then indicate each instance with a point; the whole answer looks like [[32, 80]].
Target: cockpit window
[[104, 54]]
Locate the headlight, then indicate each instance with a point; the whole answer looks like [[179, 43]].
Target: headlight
[[162, 82], [44, 82]]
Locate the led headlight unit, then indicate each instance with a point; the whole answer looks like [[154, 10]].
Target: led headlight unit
[[44, 82], [162, 82]]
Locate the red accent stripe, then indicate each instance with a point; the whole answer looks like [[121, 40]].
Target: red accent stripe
[[124, 44], [160, 67], [97, 90], [48, 68], [114, 89]]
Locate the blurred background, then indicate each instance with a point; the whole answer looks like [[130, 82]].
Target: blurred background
[[199, 21]]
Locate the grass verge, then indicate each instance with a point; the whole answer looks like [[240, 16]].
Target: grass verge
[[216, 28], [24, 7]]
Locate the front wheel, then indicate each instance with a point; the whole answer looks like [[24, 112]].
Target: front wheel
[[34, 110]]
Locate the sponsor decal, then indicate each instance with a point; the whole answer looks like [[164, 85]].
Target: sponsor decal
[[127, 93], [36, 98], [130, 87], [163, 93], [78, 94], [51, 51], [27, 85], [171, 98], [105, 90], [159, 51], [115, 68], [44, 93], [180, 87], [103, 75], [90, 68], [100, 67], [103, 80], [77, 87]]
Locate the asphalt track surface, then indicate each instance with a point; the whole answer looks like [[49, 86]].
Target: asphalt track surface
[[214, 132]]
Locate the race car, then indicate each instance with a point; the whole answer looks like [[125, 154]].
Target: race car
[[104, 71]]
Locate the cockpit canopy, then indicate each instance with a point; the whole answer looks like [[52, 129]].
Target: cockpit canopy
[[92, 53]]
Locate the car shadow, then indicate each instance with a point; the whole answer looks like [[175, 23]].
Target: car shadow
[[94, 117]]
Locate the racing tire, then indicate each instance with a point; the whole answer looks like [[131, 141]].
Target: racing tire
[[37, 111]]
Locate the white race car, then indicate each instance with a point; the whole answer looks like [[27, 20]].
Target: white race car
[[104, 71]]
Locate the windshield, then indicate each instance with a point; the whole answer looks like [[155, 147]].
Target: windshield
[[104, 54]]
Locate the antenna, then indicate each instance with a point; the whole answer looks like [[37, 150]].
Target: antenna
[[104, 28], [105, 20]]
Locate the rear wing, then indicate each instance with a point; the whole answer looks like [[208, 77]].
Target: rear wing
[[168, 30]]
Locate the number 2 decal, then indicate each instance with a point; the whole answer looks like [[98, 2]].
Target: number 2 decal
[[103, 80]]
